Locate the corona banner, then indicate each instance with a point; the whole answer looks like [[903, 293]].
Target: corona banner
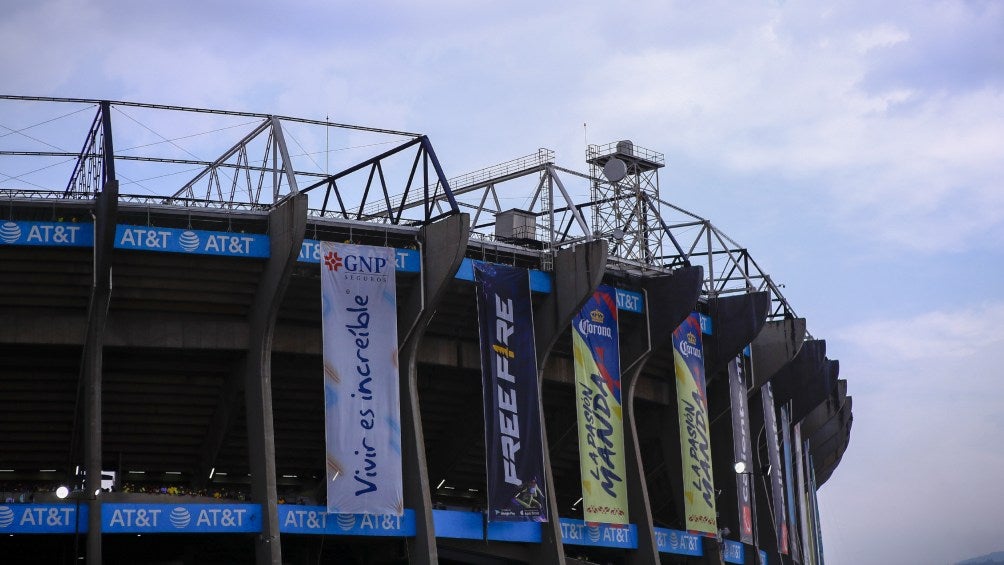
[[741, 446], [776, 471], [515, 455], [600, 409], [695, 438], [362, 406]]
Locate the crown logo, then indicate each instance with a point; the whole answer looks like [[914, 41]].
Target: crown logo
[[691, 338], [596, 316]]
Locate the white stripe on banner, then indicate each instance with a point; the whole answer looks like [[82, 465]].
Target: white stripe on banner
[[362, 407]]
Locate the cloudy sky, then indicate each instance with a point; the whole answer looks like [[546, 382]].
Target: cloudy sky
[[856, 148]]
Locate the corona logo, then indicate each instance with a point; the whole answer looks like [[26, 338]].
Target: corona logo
[[596, 316], [691, 338]]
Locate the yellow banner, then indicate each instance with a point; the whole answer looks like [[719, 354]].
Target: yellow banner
[[695, 438], [600, 416]]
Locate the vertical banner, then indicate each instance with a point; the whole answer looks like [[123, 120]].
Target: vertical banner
[[741, 446], [789, 483], [695, 439], [600, 409], [776, 472], [513, 443], [362, 407], [803, 520]]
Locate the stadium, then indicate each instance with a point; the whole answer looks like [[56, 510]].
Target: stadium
[[164, 359]]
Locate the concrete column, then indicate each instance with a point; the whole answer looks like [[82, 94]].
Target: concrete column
[[287, 224], [106, 211], [577, 273], [443, 246], [669, 299]]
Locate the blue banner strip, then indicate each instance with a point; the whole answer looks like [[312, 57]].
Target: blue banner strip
[[763, 557], [706, 328], [196, 242], [130, 518], [458, 524], [296, 519], [630, 301], [47, 234], [515, 531], [405, 260], [733, 552], [680, 543], [577, 532], [58, 518]]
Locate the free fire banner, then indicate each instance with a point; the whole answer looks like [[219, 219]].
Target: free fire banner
[[741, 446], [776, 471], [515, 455], [695, 439], [789, 482], [600, 409], [362, 405]]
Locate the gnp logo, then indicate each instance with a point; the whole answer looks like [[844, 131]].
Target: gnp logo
[[355, 263]]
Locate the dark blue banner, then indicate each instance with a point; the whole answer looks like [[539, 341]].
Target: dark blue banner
[[776, 471], [741, 447], [515, 458], [789, 481]]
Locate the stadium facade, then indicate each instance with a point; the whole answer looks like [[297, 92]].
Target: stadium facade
[[164, 354]]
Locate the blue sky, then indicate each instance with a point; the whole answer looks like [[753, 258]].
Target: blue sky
[[856, 148]]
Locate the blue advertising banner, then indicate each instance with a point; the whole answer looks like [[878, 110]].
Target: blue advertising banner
[[577, 532], [405, 260], [630, 301], [47, 234], [130, 518], [515, 458], [732, 552], [59, 518], [196, 242], [776, 472], [680, 543], [596, 353], [296, 519], [706, 327], [763, 557]]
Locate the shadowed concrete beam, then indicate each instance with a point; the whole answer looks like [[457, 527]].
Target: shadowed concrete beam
[[825, 410], [577, 273], [91, 371], [443, 246], [287, 224], [669, 299], [775, 346], [808, 380], [736, 320]]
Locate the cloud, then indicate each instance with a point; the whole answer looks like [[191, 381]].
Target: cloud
[[927, 403]]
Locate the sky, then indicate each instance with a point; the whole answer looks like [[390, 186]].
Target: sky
[[856, 148]]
